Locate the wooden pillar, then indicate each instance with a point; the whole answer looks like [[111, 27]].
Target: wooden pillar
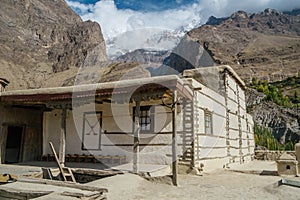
[[136, 134], [62, 141], [174, 139]]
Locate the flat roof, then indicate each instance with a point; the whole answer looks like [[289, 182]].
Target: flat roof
[[99, 89]]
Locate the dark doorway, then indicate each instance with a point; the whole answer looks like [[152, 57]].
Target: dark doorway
[[13, 144]]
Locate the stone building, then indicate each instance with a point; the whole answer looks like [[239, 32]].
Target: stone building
[[199, 118]]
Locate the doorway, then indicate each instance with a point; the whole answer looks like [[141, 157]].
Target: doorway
[[13, 144]]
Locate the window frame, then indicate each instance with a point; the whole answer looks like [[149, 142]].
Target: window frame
[[150, 116], [100, 130], [208, 115]]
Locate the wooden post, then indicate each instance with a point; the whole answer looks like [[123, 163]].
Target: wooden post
[[136, 133], [62, 141], [174, 140]]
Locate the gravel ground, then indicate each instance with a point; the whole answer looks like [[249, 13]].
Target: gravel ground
[[18, 169], [219, 184]]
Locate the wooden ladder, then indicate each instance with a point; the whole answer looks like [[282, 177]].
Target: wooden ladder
[[66, 172], [188, 131]]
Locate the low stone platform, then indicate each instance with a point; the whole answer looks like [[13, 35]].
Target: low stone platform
[[45, 189], [255, 167]]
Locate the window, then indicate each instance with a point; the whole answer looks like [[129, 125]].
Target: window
[[146, 115], [91, 133], [208, 122]]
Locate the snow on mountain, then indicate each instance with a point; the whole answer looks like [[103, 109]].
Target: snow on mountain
[[152, 39]]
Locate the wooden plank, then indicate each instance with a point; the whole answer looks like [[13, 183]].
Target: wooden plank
[[174, 140], [47, 174], [94, 195], [57, 161], [15, 193], [293, 183], [62, 184], [136, 141], [95, 172]]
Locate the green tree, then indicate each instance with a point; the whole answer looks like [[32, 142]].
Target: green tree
[[273, 93], [264, 137], [260, 88], [289, 146]]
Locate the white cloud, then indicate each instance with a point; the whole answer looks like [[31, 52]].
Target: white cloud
[[115, 22], [222, 8], [82, 8]]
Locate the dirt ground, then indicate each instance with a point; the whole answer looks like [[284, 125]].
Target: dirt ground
[[238, 182], [221, 184]]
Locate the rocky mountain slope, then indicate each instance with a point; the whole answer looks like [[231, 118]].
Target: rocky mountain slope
[[42, 43], [188, 54], [284, 122], [264, 45]]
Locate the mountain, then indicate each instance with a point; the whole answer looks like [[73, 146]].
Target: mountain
[[144, 56], [43, 43], [293, 12], [265, 45]]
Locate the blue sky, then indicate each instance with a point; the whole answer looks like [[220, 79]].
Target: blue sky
[[160, 5], [145, 5]]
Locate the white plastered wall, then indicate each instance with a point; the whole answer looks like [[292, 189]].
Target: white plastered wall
[[210, 149], [116, 132], [240, 123], [218, 149]]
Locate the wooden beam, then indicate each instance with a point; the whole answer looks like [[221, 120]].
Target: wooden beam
[[17, 193], [293, 183], [174, 139], [136, 133], [62, 184], [57, 161], [62, 141]]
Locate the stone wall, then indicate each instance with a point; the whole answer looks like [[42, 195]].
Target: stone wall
[[270, 155]]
